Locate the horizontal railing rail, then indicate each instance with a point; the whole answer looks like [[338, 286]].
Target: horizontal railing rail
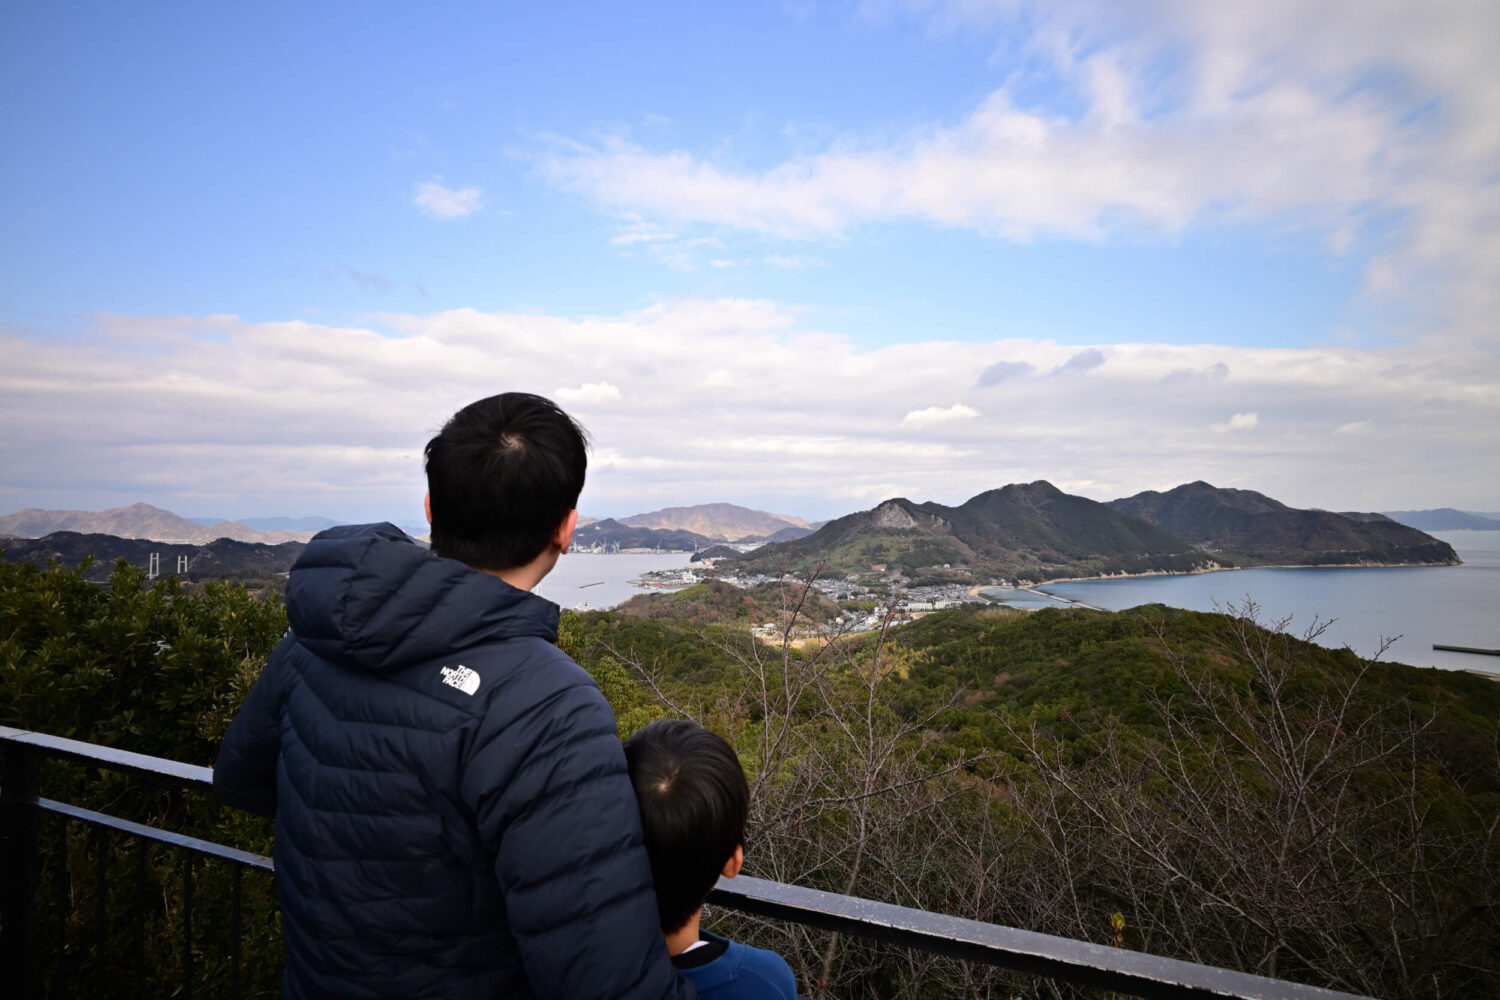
[[1079, 962]]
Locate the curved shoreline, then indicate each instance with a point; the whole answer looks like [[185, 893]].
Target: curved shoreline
[[1236, 569], [1036, 588]]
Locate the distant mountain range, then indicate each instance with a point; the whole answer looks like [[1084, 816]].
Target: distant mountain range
[[1030, 531], [724, 522], [1446, 519], [1035, 532], [139, 520], [313, 524], [690, 529]]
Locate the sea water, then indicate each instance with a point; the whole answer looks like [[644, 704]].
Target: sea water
[[591, 581], [1414, 605]]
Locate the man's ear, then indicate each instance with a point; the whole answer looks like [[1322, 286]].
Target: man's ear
[[427, 507], [735, 863], [564, 537]]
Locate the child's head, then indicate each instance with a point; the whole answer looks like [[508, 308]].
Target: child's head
[[693, 800], [503, 475]]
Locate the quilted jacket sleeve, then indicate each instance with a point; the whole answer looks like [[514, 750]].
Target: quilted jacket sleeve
[[245, 771], [553, 799]]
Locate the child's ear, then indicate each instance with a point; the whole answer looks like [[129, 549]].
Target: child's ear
[[735, 863], [563, 538]]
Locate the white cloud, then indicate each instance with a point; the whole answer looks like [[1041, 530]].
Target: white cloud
[[693, 401], [439, 202], [589, 392], [1237, 422], [1373, 124], [933, 415]]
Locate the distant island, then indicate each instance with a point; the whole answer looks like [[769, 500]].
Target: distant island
[[1446, 519], [1032, 532]]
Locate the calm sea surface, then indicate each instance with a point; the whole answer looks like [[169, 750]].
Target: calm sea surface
[[569, 583], [1453, 605]]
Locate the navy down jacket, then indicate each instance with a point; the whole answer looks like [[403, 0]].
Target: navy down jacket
[[453, 814]]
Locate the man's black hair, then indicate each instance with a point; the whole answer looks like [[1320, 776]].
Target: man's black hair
[[503, 473], [694, 799]]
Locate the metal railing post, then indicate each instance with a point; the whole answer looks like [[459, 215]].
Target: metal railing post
[[18, 867]]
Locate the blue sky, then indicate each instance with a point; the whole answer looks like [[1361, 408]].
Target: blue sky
[[1303, 188]]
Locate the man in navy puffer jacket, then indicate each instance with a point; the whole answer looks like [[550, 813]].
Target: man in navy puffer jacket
[[453, 813]]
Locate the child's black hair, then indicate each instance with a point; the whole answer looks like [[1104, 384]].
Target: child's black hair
[[694, 800], [503, 474]]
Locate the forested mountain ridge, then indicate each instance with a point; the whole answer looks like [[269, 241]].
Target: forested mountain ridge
[[1035, 531], [1257, 529]]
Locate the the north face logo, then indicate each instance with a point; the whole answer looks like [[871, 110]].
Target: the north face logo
[[461, 677]]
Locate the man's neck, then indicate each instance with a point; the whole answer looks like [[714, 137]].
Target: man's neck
[[681, 939]]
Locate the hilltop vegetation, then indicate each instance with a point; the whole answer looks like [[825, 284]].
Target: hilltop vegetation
[[1235, 795], [719, 602]]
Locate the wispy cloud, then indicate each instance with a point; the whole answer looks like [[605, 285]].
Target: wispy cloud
[[1372, 125], [438, 201]]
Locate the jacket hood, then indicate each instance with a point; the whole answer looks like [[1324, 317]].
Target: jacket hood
[[368, 596]]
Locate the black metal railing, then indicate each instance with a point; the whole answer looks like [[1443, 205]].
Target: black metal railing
[[21, 805]]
